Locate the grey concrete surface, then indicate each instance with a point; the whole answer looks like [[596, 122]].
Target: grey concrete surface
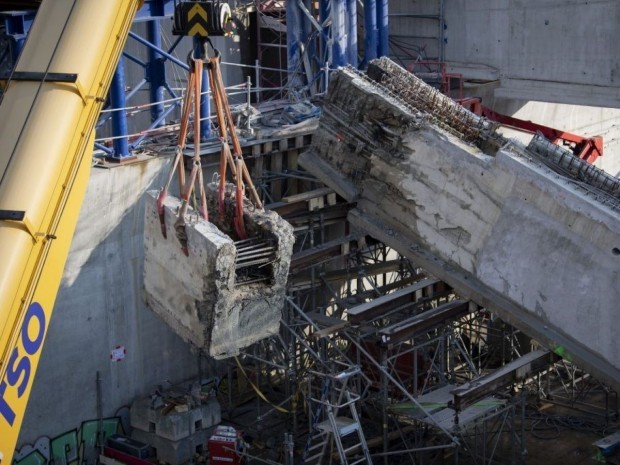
[[502, 230], [100, 305], [197, 295], [552, 51]]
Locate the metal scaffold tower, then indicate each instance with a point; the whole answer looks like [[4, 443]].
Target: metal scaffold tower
[[271, 43], [334, 420]]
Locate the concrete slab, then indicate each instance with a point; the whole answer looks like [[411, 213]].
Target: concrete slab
[[211, 298], [501, 229]]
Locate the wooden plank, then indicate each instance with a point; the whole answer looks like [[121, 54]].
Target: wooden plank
[[276, 184], [291, 164]]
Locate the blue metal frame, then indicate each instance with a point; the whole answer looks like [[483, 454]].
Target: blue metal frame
[[371, 40], [340, 47], [294, 43], [152, 12], [382, 23], [17, 24], [156, 71], [299, 33], [155, 9], [338, 21], [352, 32], [155, 75]]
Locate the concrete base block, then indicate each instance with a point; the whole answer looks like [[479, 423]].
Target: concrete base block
[[174, 452], [215, 298], [174, 425]]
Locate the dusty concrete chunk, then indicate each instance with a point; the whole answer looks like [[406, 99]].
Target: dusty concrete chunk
[[225, 295]]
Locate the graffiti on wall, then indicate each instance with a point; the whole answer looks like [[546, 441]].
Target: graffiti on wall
[[79, 446]]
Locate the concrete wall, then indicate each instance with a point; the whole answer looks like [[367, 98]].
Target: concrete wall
[[100, 306], [547, 50]]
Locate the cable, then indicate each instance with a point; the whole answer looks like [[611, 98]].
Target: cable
[[258, 391]]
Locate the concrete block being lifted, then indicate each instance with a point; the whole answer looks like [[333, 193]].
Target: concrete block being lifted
[[226, 294]]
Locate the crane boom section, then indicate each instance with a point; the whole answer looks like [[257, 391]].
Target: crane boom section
[[47, 120]]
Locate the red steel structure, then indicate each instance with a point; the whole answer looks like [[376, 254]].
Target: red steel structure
[[586, 148]]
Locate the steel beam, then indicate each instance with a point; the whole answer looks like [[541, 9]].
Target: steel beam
[[16, 27], [512, 372], [156, 72], [404, 330], [381, 305]]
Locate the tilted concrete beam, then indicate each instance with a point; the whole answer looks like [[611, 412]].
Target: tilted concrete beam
[[500, 228]]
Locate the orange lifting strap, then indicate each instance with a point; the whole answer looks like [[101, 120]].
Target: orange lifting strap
[[233, 160]]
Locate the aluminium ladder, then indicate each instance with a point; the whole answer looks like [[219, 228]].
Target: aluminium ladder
[[341, 424]]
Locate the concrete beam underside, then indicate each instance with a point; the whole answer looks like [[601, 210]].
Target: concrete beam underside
[[502, 231]]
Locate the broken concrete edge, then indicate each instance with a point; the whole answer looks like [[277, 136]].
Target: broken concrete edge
[[348, 177], [483, 133], [596, 227], [174, 287], [469, 287], [197, 294], [268, 222], [340, 95]]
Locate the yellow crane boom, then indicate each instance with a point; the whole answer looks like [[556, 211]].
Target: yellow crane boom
[[47, 120]]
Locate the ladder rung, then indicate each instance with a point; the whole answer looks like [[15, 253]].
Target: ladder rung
[[313, 457], [353, 447], [317, 445], [362, 460]]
